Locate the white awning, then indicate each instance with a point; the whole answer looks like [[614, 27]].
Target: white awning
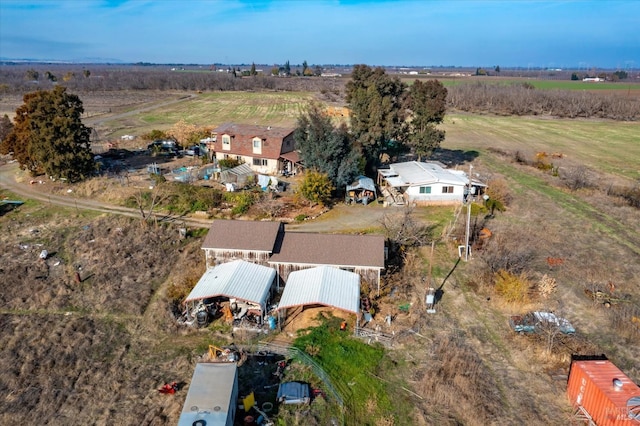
[[323, 285], [238, 279]]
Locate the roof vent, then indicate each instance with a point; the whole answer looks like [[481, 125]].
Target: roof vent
[[269, 128], [617, 384]]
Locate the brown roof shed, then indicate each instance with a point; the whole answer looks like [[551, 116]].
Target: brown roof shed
[[242, 235], [330, 249]]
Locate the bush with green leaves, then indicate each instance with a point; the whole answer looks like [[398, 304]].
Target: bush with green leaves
[[316, 187], [241, 200]]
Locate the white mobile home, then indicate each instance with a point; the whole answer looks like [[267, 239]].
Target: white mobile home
[[424, 183]]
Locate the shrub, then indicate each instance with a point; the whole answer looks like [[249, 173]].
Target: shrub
[[576, 178], [154, 134], [229, 163], [316, 187], [498, 190], [512, 288], [186, 198], [511, 250], [242, 200]]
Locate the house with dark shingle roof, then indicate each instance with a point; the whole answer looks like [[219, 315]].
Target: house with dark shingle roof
[[268, 244], [248, 240], [362, 254], [264, 148]]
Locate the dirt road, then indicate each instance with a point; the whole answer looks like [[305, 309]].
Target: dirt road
[[340, 219], [37, 191]]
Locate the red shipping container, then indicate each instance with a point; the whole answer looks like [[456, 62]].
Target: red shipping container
[[601, 389]]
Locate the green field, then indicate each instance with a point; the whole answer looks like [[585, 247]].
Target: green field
[[213, 109], [611, 147]]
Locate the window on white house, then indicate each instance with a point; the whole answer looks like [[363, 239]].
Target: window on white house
[[447, 189], [259, 161], [425, 190], [257, 146], [226, 142]]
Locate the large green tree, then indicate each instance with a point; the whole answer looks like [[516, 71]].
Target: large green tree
[[426, 104], [48, 136], [377, 116], [326, 148]]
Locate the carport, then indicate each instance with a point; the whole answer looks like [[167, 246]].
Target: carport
[[363, 190], [241, 280], [323, 285]]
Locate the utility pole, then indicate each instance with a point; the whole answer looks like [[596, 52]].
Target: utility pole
[[466, 244]]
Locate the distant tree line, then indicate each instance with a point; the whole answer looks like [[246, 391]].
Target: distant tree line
[[524, 99], [483, 97], [21, 79]]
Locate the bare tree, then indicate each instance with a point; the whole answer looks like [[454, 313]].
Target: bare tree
[[403, 231], [510, 250], [148, 201], [576, 177]]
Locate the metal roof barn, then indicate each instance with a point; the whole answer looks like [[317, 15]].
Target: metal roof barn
[[212, 395], [242, 235], [323, 285], [238, 279]]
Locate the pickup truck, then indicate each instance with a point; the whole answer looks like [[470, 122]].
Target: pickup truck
[[534, 322]]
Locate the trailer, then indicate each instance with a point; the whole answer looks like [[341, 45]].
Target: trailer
[[601, 394], [212, 396]]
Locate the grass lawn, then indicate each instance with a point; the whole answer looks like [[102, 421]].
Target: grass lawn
[[611, 147]]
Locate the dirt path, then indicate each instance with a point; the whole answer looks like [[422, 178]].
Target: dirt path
[[37, 191], [344, 218]]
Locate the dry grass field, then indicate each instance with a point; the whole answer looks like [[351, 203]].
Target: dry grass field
[[95, 351]]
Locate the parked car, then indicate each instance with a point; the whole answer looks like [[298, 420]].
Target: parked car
[[192, 151], [534, 322]]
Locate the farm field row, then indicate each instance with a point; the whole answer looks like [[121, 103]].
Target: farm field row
[[212, 109]]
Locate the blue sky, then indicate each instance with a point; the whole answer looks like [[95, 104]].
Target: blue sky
[[556, 34]]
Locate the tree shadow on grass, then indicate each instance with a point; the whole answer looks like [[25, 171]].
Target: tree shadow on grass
[[454, 157]]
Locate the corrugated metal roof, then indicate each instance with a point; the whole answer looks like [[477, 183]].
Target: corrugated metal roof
[[419, 173], [210, 394], [242, 235], [330, 249], [237, 174], [601, 373], [363, 182], [322, 285], [238, 279]]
